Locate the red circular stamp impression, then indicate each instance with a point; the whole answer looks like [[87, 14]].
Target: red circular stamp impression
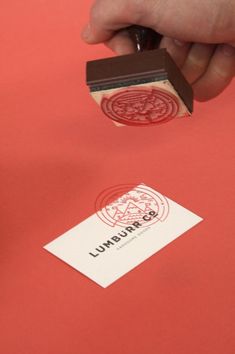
[[141, 106], [124, 205]]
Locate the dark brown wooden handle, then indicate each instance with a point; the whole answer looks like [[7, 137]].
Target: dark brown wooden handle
[[144, 38]]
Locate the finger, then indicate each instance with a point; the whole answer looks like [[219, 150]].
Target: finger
[[177, 49], [197, 61], [177, 20], [219, 74], [121, 43]]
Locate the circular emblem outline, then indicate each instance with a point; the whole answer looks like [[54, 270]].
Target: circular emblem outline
[[124, 204], [140, 106]]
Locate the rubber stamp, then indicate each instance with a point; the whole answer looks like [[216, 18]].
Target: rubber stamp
[[142, 88]]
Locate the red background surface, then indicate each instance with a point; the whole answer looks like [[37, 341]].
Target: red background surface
[[57, 153]]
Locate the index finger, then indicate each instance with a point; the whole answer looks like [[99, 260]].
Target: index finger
[[106, 19]]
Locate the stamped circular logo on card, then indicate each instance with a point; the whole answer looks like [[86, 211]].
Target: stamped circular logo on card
[[125, 205], [141, 106]]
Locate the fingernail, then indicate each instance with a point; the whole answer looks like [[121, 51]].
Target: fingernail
[[179, 43], [228, 50], [86, 32]]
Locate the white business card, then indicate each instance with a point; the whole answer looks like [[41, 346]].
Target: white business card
[[122, 233]]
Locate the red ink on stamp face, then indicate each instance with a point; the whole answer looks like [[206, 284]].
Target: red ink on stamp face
[[141, 106], [125, 205]]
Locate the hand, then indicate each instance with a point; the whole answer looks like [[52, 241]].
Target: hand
[[199, 35]]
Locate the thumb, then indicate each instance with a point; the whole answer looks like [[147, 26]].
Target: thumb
[[209, 21]]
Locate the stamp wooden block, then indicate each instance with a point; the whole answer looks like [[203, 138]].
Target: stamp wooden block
[[140, 89]]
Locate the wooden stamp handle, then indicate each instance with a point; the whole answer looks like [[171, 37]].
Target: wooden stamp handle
[[144, 38]]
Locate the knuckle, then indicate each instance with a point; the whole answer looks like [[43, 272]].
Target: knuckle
[[221, 74], [224, 64], [196, 64]]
